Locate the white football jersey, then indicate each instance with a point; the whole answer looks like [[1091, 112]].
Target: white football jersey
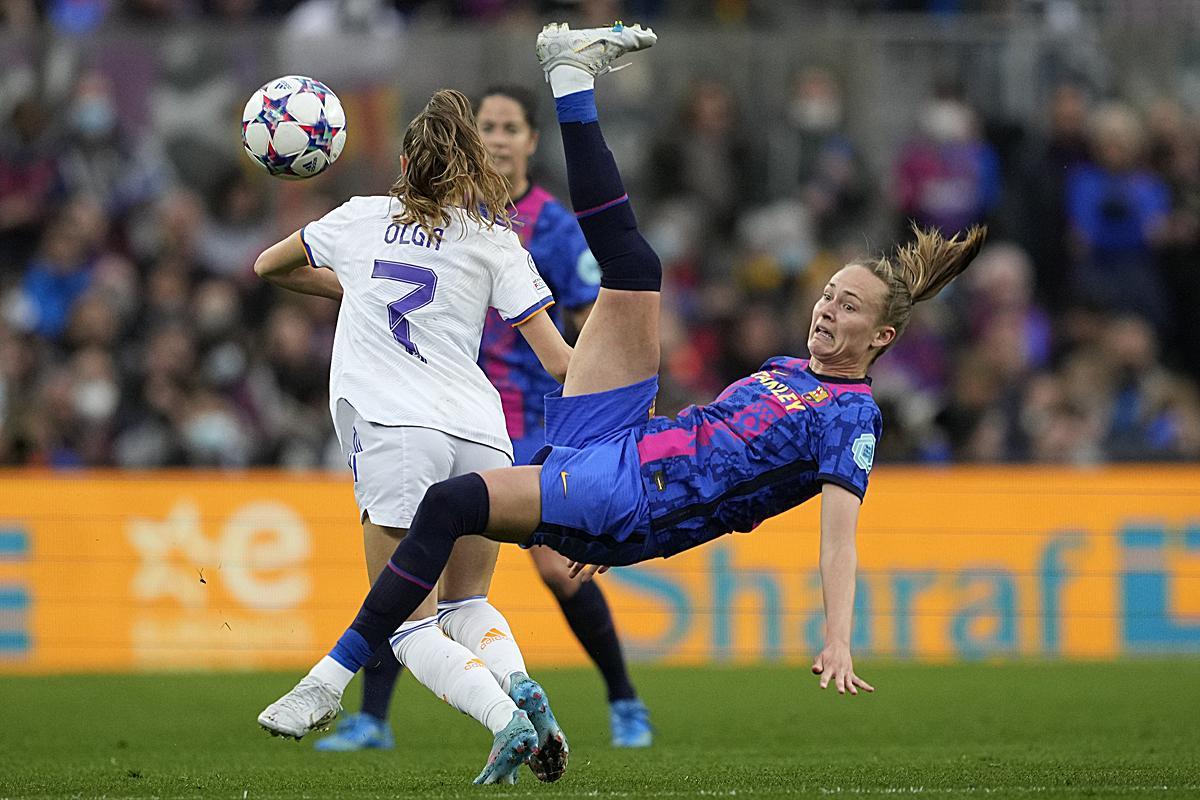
[[412, 315]]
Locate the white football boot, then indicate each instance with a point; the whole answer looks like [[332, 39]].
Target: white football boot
[[590, 49], [311, 704]]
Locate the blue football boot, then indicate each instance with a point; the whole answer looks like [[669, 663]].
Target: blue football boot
[[358, 732], [550, 761], [511, 748], [630, 721]]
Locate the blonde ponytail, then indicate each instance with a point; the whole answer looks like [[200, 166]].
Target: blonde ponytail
[[932, 261], [921, 269]]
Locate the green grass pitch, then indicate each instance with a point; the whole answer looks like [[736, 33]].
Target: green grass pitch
[[1130, 729]]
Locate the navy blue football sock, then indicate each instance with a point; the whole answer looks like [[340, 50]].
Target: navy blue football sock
[[450, 509], [590, 619], [379, 679], [600, 201]]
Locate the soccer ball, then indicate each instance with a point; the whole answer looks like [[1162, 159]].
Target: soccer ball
[[294, 127]]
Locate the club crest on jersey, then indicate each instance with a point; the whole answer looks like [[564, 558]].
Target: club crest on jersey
[[864, 451], [817, 396]]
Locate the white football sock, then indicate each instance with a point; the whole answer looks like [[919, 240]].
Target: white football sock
[[566, 79], [477, 625], [329, 671], [452, 672]]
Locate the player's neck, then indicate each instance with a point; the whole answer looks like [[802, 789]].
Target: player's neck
[[816, 366], [520, 189]]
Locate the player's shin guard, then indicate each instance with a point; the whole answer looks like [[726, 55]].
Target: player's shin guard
[[477, 625], [601, 205], [450, 509], [453, 673]]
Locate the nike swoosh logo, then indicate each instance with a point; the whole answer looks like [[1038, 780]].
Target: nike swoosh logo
[[564, 475]]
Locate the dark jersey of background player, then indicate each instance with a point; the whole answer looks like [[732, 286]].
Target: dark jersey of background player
[[552, 236]]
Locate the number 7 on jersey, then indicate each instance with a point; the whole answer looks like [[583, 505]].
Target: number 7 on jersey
[[424, 282]]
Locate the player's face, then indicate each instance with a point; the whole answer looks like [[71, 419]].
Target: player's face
[[507, 136], [845, 327]]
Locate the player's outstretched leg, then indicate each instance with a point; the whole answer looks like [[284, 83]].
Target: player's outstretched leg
[[619, 343], [511, 748]]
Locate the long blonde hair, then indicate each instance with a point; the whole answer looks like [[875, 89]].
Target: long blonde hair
[[448, 168], [921, 269]]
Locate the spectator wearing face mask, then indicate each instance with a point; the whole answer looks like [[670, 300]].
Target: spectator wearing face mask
[[99, 160], [814, 160]]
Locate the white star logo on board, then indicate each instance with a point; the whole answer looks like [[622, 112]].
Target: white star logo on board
[[171, 549]]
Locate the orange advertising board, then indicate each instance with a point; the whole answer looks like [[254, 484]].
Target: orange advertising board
[[113, 571]]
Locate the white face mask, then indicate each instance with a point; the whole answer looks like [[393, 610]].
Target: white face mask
[[947, 121], [816, 114], [215, 434], [96, 400]]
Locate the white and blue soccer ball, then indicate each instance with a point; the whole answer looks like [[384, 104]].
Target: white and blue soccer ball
[[294, 127]]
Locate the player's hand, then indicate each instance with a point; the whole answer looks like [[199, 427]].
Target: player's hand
[[585, 572], [835, 666]]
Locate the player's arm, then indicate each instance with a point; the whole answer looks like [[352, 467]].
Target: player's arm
[[548, 344], [839, 562], [285, 264]]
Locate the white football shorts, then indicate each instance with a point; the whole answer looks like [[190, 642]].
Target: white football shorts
[[394, 465]]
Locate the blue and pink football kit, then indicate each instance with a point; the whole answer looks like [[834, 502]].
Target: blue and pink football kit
[[619, 486], [549, 232]]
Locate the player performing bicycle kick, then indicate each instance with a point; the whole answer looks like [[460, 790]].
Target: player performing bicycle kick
[[615, 486]]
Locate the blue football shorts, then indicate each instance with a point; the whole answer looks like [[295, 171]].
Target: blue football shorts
[[594, 507], [525, 448]]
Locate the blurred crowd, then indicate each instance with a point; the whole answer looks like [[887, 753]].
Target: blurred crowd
[[133, 332]]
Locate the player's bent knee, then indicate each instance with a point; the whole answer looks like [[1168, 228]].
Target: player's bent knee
[[636, 267], [455, 507]]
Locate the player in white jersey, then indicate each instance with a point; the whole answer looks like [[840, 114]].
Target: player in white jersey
[[416, 272]]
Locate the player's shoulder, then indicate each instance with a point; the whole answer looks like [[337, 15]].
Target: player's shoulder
[[859, 408], [368, 207], [502, 238]]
